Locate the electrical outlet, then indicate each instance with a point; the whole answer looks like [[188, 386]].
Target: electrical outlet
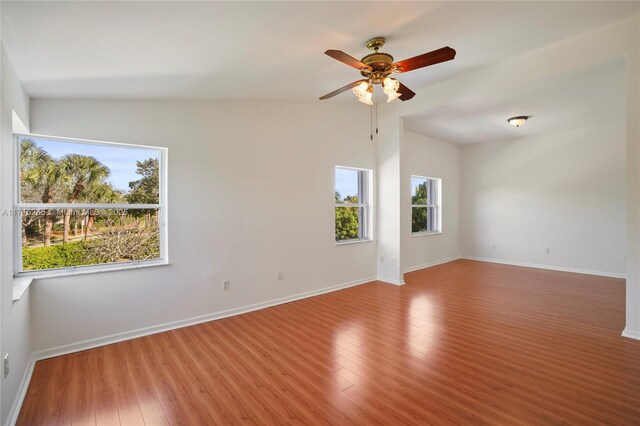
[[279, 276], [226, 285], [381, 258], [547, 250], [6, 365], [493, 246]]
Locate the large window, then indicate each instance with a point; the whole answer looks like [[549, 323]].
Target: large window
[[352, 204], [85, 206], [425, 205]]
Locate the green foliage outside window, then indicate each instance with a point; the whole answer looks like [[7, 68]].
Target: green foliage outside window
[[57, 256], [347, 226], [347, 218], [419, 214]]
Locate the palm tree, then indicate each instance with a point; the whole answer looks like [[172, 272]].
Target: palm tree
[[102, 192], [31, 155], [33, 160], [40, 177], [52, 176], [83, 172]]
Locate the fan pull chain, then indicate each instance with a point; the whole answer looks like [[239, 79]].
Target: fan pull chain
[[371, 122], [376, 106], [374, 112]]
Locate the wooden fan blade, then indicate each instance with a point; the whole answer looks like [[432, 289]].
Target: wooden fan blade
[[346, 59], [426, 59], [405, 92], [340, 90]]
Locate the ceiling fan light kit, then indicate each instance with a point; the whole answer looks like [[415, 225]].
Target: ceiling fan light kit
[[376, 67], [364, 92], [390, 88]]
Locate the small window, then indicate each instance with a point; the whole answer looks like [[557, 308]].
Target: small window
[[425, 205], [82, 206], [352, 204]]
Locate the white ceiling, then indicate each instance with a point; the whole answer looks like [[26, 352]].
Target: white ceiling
[[581, 98], [265, 50]]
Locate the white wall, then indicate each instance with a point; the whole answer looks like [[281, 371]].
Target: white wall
[[564, 191], [389, 257], [425, 156], [15, 337], [250, 194], [632, 48]]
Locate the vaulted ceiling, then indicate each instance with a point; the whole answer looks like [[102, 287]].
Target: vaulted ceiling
[[265, 50]]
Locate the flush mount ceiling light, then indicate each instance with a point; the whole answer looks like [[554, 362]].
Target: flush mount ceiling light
[[518, 121]]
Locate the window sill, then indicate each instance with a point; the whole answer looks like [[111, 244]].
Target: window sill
[[346, 242], [424, 234], [80, 270], [20, 286]]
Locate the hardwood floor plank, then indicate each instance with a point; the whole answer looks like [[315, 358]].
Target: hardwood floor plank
[[461, 343], [125, 394], [164, 385], [31, 409], [101, 371], [150, 406], [83, 394]]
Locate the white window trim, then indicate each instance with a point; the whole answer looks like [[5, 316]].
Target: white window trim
[[425, 233], [90, 269], [367, 190], [354, 241], [86, 269], [351, 205], [437, 205]]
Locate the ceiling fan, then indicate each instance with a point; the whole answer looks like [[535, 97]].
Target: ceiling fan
[[376, 67]]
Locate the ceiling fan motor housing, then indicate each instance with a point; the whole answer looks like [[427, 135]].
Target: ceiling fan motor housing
[[379, 62]]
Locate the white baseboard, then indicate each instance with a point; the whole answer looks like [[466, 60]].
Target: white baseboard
[[548, 267], [12, 418], [430, 264], [631, 334], [391, 281], [128, 335]]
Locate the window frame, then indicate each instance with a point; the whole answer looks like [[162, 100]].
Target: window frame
[[437, 205], [18, 206], [363, 205]]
